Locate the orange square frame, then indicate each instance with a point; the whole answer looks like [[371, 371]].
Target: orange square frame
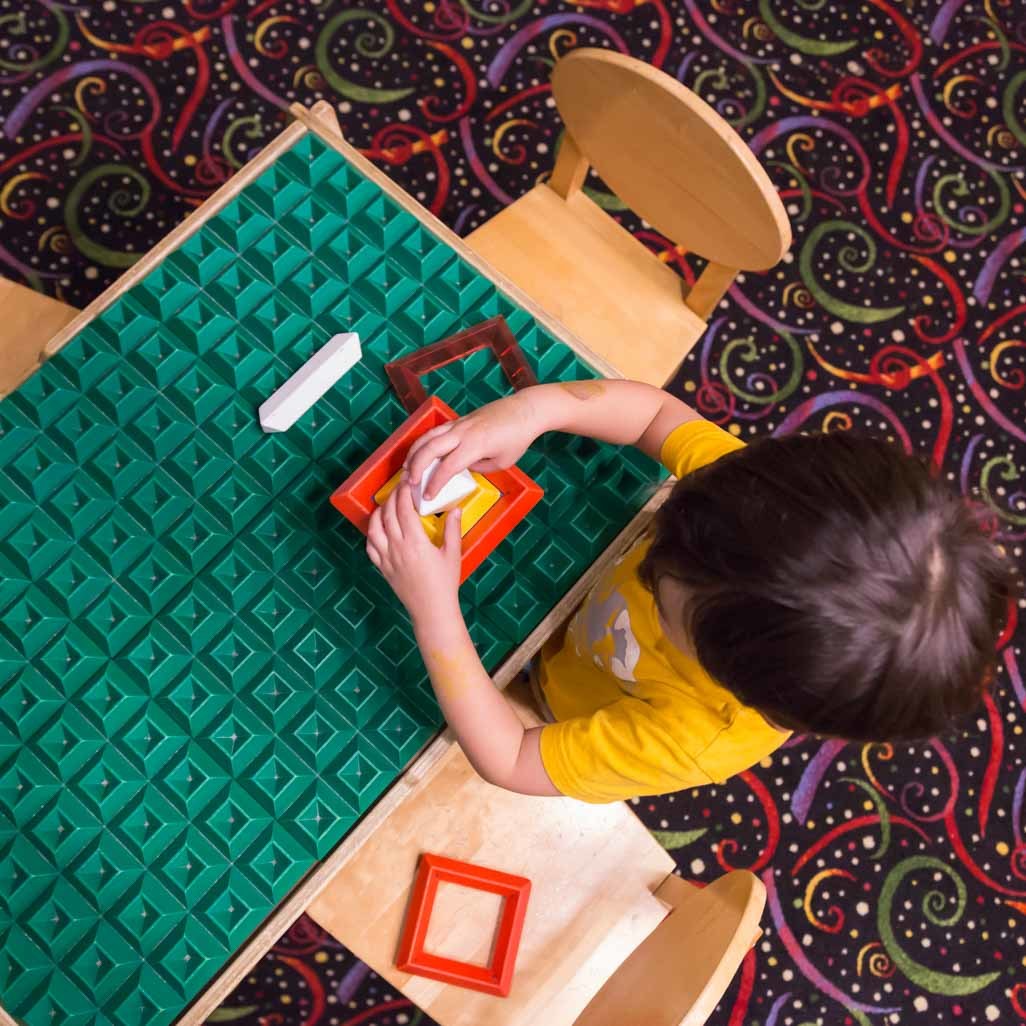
[[494, 978], [354, 498]]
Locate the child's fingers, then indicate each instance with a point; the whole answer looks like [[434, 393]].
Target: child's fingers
[[451, 540], [450, 464], [376, 533], [373, 555], [436, 448], [390, 518], [426, 439], [409, 519]]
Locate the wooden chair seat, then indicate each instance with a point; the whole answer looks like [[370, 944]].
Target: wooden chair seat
[[28, 320], [596, 278], [599, 930]]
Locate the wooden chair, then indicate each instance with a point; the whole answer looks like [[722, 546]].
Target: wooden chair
[[598, 947], [28, 320], [675, 162]]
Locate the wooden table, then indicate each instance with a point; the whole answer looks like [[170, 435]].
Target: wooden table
[[627, 869]]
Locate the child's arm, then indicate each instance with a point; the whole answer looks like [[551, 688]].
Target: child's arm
[[496, 435], [426, 580]]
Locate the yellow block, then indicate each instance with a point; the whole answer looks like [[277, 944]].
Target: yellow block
[[474, 506]]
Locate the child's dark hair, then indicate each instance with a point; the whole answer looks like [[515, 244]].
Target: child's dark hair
[[835, 586]]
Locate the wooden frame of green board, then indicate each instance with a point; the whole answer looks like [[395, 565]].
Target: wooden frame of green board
[[321, 122]]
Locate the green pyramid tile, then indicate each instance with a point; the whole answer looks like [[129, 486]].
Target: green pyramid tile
[[103, 965], [72, 661], [275, 193], [82, 431], [41, 470], [201, 257], [147, 736], [150, 912], [162, 292], [310, 164], [239, 225], [203, 322], [152, 824], [312, 223]]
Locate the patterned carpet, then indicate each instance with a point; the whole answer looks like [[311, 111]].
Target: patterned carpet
[[896, 134]]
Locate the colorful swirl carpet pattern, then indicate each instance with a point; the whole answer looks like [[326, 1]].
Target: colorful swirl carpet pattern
[[896, 135]]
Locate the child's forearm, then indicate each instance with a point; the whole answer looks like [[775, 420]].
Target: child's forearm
[[621, 412], [486, 726]]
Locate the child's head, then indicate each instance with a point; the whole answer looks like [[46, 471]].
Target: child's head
[[834, 585]]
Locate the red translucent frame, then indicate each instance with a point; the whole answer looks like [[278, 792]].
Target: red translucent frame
[[494, 334], [497, 976], [354, 498]]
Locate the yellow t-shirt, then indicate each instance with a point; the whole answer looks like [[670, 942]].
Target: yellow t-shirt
[[636, 715]]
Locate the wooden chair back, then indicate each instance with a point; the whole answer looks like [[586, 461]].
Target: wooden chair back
[[678, 974], [670, 157]]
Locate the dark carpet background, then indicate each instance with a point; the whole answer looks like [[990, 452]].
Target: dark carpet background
[[895, 134]]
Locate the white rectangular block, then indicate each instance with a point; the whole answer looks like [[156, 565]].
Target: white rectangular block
[[337, 357], [456, 489]]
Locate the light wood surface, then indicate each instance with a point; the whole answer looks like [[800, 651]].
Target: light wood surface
[[594, 276], [671, 158], [28, 320], [593, 870], [680, 971]]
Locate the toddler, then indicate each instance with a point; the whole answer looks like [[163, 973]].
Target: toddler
[[824, 584]]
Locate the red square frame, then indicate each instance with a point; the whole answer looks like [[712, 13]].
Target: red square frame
[[494, 978], [354, 498], [494, 334]]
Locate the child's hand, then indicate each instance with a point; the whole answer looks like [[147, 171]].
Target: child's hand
[[426, 579], [491, 438]]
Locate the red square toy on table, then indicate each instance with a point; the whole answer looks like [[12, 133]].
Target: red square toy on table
[[354, 498], [494, 978]]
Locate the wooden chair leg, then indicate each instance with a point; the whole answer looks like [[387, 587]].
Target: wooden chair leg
[[571, 168], [710, 288]]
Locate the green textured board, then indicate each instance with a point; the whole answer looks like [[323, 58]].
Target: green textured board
[[203, 681]]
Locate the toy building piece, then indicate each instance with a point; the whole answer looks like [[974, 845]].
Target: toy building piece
[[494, 334], [475, 506], [497, 976], [290, 401], [354, 498], [456, 489]]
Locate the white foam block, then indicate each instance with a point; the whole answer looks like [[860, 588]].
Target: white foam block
[[337, 357], [456, 489]]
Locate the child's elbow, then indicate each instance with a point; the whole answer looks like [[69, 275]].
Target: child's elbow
[[520, 779], [496, 775]]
